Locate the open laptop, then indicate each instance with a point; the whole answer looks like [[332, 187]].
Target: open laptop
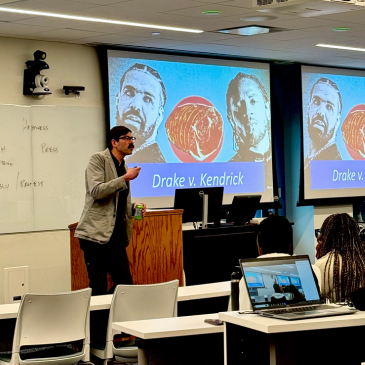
[[285, 288]]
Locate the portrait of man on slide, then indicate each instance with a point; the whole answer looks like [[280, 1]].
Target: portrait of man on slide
[[248, 112], [324, 117], [140, 107]]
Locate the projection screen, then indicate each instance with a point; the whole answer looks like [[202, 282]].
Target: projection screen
[[333, 132], [198, 122]]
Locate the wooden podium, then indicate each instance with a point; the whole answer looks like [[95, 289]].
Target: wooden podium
[[155, 252]]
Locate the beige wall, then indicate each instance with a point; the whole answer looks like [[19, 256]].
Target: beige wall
[[46, 253]]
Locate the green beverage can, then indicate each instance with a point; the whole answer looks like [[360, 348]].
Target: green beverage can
[[138, 215]]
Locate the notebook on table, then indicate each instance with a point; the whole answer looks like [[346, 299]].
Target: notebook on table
[[285, 288]]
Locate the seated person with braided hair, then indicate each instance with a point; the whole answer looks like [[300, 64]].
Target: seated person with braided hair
[[274, 239], [341, 257]]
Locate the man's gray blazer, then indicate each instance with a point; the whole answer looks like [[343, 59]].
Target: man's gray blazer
[[102, 189]]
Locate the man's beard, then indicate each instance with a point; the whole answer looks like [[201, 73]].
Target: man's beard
[[139, 132], [255, 133], [317, 136], [123, 120]]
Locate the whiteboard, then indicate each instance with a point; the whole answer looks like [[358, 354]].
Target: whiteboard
[[44, 151]]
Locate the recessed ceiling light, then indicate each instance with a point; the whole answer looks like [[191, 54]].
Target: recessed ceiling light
[[97, 20], [211, 12], [155, 33], [250, 30], [261, 18], [341, 47], [341, 29]]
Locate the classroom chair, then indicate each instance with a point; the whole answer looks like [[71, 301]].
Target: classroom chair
[[132, 303], [46, 328]]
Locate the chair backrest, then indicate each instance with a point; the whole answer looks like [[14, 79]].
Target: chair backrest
[[52, 318], [138, 302]]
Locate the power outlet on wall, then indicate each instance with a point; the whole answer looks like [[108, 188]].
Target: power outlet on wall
[[15, 283]]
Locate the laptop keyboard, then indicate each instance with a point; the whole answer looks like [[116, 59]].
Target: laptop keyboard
[[299, 309]]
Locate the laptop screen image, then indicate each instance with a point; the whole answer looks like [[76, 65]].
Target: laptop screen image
[[280, 281]]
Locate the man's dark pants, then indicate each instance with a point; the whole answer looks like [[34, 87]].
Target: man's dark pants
[[101, 259]]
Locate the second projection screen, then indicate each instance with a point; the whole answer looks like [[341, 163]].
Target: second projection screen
[[333, 132]]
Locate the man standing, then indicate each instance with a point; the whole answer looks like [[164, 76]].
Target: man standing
[[104, 229], [324, 117], [140, 107]]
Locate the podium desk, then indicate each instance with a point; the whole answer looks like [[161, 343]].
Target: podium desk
[[154, 252], [252, 339], [179, 340]]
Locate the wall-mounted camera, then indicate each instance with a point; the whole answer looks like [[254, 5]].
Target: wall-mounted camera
[[73, 90], [34, 82]]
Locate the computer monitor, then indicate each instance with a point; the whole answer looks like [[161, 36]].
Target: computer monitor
[[191, 200], [243, 208]]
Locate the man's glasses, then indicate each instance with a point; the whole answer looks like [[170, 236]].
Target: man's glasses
[[127, 138], [317, 232]]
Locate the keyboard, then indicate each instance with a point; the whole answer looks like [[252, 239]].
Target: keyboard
[[299, 309]]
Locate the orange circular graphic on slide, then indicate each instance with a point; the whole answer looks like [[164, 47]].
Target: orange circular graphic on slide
[[195, 130], [353, 132]]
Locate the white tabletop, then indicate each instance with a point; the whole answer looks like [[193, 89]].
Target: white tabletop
[[271, 325], [169, 327], [204, 291], [100, 302]]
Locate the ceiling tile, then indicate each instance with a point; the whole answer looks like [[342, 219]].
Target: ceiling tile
[[190, 37], [113, 39], [328, 29], [196, 12], [301, 23], [64, 6], [239, 3], [74, 24], [244, 13], [157, 6], [160, 43], [212, 1], [288, 35], [9, 17], [357, 16], [2, 2], [20, 29], [65, 34], [324, 52], [330, 39], [148, 17], [101, 2], [258, 41]]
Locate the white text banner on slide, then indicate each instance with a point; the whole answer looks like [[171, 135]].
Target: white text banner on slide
[[163, 179]]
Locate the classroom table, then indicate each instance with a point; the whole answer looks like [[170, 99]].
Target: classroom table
[[100, 305], [252, 339], [100, 302], [178, 340]]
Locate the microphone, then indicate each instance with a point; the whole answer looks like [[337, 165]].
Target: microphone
[[276, 200]]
